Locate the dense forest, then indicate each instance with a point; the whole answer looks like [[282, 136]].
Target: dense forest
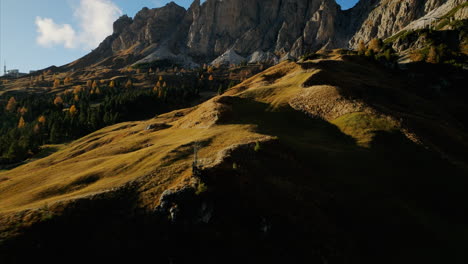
[[28, 121]]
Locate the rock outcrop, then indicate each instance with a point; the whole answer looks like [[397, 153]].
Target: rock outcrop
[[387, 17], [254, 30]]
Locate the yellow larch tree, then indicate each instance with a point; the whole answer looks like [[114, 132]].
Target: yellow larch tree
[[73, 110], [129, 84], [21, 123], [361, 48], [58, 101], [11, 105], [41, 120], [22, 110], [376, 45], [56, 83]]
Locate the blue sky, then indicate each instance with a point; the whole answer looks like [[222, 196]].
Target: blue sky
[[39, 33]]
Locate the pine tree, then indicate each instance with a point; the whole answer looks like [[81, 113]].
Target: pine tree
[[89, 84], [112, 84], [14, 151], [220, 89], [94, 85], [54, 134]]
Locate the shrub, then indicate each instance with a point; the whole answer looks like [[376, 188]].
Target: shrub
[[257, 147], [201, 188]]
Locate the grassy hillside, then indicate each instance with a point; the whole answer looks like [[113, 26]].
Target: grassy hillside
[[337, 156]]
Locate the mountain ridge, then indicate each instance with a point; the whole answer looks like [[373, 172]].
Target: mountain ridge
[[288, 28]]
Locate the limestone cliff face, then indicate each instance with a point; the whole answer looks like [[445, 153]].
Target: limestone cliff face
[[281, 28], [150, 26], [248, 26], [386, 17]]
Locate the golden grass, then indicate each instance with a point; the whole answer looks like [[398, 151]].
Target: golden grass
[[110, 158], [363, 126], [267, 105]]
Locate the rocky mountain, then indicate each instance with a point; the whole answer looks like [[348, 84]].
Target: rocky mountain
[[245, 29]]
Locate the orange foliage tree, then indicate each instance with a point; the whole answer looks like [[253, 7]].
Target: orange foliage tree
[[376, 45], [56, 83], [67, 81], [21, 123], [41, 119], [129, 84], [361, 47], [22, 110], [11, 105], [58, 101], [73, 110]]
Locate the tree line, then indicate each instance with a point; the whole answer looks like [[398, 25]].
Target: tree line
[[29, 121]]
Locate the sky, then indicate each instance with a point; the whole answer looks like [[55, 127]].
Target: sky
[[35, 34]]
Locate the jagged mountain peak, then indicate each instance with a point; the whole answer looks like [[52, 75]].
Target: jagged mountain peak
[[206, 30]]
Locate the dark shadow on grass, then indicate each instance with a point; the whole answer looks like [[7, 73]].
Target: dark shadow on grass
[[43, 153], [395, 198]]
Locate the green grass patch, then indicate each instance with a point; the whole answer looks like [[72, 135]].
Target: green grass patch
[[363, 127], [402, 34], [452, 12], [201, 188]]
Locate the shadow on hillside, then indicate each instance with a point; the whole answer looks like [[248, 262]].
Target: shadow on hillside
[[395, 198], [313, 194], [44, 152], [428, 99]]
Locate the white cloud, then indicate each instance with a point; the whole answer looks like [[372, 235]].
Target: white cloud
[[95, 20], [52, 34]]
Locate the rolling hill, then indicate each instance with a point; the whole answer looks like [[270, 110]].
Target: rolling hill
[[336, 158]]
